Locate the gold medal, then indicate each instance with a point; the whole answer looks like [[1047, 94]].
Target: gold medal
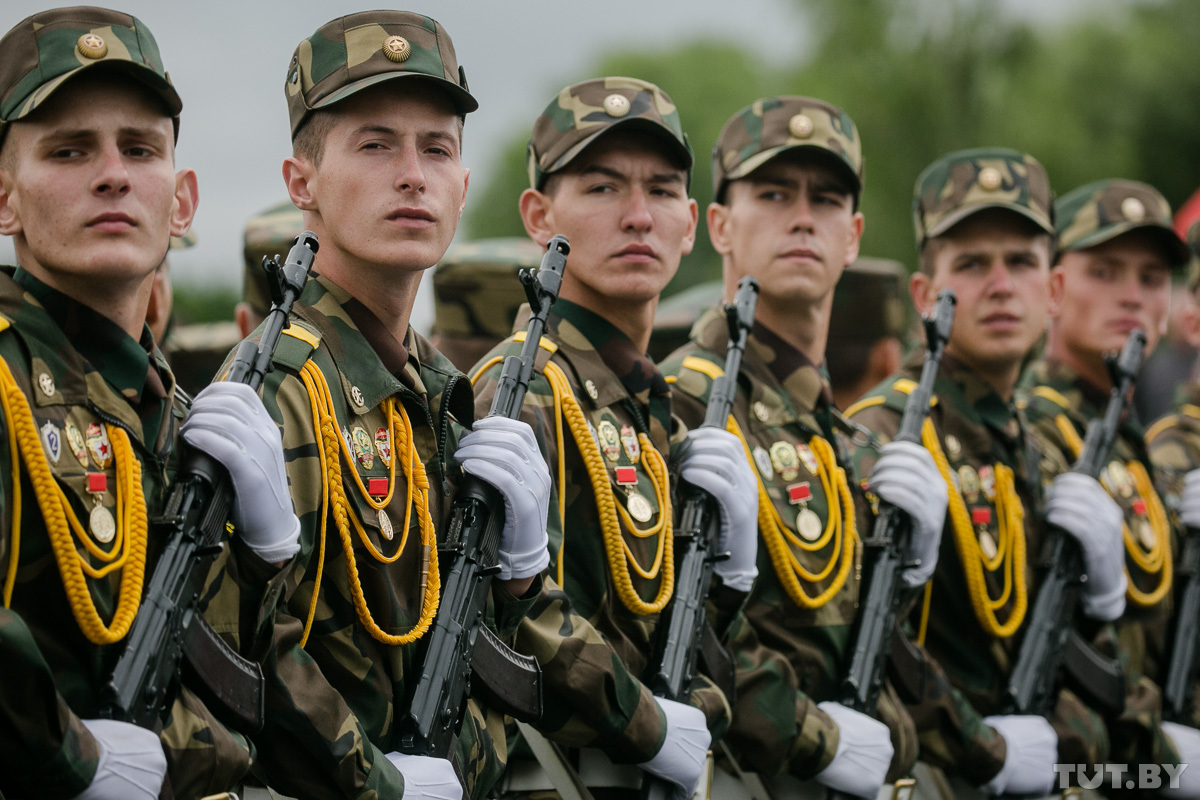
[[808, 525], [385, 524], [764, 464], [807, 457], [102, 524], [610, 442], [968, 482], [629, 440], [639, 507], [785, 461], [363, 447], [75, 440], [987, 544]]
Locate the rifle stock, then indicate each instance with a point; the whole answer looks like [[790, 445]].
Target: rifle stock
[[470, 555], [679, 641], [170, 622]]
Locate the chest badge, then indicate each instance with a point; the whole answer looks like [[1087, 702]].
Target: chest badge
[[383, 445], [364, 448], [99, 446], [968, 483], [987, 481], [953, 446], [763, 460], [610, 442], [807, 457], [638, 506], [52, 441], [75, 442], [785, 461], [629, 440]]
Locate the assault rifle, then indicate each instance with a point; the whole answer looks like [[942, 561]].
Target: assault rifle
[[1181, 670], [459, 644], [1053, 651], [170, 624], [680, 639]]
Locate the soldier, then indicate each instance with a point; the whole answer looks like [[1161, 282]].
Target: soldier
[[984, 229], [1116, 252], [476, 296], [370, 415], [90, 195], [609, 167], [868, 328], [787, 176]]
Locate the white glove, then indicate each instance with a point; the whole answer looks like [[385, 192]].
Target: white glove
[[1032, 751], [1080, 506], [504, 453], [1187, 745], [715, 461], [684, 751], [427, 778], [1189, 504], [864, 752], [907, 477], [132, 762], [229, 422]]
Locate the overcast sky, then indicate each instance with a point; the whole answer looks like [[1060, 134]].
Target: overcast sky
[[228, 60]]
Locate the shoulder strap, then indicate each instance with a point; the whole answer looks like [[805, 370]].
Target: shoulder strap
[[297, 344]]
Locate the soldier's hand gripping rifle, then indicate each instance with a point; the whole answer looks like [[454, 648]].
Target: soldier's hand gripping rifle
[[1053, 652], [170, 624], [459, 644], [679, 640]]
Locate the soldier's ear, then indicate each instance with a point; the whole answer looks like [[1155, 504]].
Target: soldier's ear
[[187, 198], [920, 286], [298, 177], [689, 238], [1057, 288], [717, 217], [537, 214], [10, 221]]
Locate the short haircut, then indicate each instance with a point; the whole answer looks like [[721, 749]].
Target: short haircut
[[934, 245], [309, 141]]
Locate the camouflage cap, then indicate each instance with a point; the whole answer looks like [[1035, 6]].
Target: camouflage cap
[[268, 233], [965, 182], [870, 301], [1100, 211], [353, 52], [43, 51], [585, 111], [774, 125], [188, 240], [475, 286]]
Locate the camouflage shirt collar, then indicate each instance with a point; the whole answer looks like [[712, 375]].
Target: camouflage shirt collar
[[324, 304], [131, 367], [963, 388], [1087, 401]]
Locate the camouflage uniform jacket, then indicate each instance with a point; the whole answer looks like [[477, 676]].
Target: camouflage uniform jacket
[[977, 429], [334, 702], [583, 634], [79, 371], [784, 402]]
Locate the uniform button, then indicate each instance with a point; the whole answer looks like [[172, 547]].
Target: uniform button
[[760, 411], [591, 389]]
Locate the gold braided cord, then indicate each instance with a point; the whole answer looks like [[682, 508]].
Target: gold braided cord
[[334, 501], [1157, 559], [620, 557], [128, 551], [1010, 548]]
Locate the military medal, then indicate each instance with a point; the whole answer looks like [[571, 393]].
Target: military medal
[[51, 441], [629, 440], [1119, 480], [385, 524], [75, 441], [785, 461], [364, 448], [99, 446], [981, 517], [100, 521], [808, 525], [610, 442], [807, 457], [987, 481], [639, 507], [383, 445], [346, 438], [764, 464], [953, 446], [1145, 531], [968, 483]]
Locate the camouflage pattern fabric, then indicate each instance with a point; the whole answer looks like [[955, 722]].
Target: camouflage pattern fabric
[[1100, 211], [476, 295], [870, 302], [334, 704], [1140, 640], [584, 111], [350, 53], [43, 51], [770, 126], [585, 623], [977, 429], [268, 234], [675, 316], [962, 183], [53, 674]]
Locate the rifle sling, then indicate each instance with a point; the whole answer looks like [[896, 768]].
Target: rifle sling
[[511, 682], [552, 761], [230, 684]]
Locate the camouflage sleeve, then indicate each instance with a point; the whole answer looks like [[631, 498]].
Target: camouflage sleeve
[[590, 697], [44, 749]]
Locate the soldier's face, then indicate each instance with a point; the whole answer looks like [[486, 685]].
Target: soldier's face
[[89, 187], [1099, 295], [998, 265], [791, 223], [624, 207], [390, 186]]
